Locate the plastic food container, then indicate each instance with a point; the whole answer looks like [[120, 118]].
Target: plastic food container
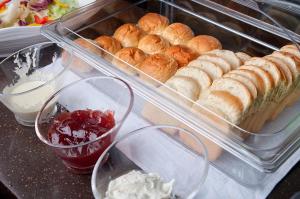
[[247, 157]]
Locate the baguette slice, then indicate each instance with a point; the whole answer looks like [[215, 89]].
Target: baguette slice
[[269, 67], [290, 62], [253, 77], [243, 56], [283, 68], [292, 49], [245, 81], [197, 74], [265, 76], [185, 86], [219, 61], [228, 55], [236, 89], [224, 102], [210, 68]]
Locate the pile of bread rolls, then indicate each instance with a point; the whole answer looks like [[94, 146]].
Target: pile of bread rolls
[[247, 91]]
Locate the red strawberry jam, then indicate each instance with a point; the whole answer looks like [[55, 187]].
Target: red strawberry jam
[[79, 127]]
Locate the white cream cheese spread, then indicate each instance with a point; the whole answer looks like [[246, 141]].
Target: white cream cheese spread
[[138, 185]]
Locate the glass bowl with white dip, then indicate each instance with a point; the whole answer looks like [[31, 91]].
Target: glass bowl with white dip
[[30, 76], [155, 162]]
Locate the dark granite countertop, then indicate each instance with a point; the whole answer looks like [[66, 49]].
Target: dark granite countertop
[[28, 169]]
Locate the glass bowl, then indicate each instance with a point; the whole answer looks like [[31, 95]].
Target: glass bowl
[[94, 93], [171, 152], [30, 76]]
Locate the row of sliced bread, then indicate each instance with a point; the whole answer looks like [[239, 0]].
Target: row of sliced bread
[[258, 90]]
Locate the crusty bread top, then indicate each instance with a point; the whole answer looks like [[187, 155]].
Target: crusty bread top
[[219, 61], [229, 56], [131, 56], [153, 23], [245, 81], [159, 66], [89, 45], [181, 54], [129, 35], [289, 61], [253, 77], [235, 88], [204, 43], [291, 49], [153, 44], [243, 56], [266, 77], [202, 78], [283, 67], [186, 86], [109, 43], [225, 102], [211, 69], [178, 33]]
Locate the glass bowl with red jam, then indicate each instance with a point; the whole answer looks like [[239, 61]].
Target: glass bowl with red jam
[[82, 119]]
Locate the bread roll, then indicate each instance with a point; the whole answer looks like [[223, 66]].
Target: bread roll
[[110, 44], [153, 23], [204, 43], [153, 44], [129, 56], [178, 33], [77, 63], [159, 66], [129, 35], [181, 54]]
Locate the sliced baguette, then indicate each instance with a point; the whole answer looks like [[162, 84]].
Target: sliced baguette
[[197, 74], [219, 61], [245, 81], [290, 62], [265, 76], [253, 77], [243, 56], [228, 104], [268, 67], [210, 68], [282, 67], [228, 55], [236, 89], [292, 49], [185, 86]]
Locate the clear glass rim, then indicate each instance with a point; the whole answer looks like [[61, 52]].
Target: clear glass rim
[[137, 131], [117, 125], [47, 82]]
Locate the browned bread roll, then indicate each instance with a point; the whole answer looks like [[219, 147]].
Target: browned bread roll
[[77, 63], [129, 56], [153, 23], [129, 35], [153, 44], [181, 54], [159, 66], [110, 44], [204, 43], [178, 33]]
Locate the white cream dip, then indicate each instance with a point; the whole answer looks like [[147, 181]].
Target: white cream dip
[[138, 185]]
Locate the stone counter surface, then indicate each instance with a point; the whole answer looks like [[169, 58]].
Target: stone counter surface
[[29, 169]]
